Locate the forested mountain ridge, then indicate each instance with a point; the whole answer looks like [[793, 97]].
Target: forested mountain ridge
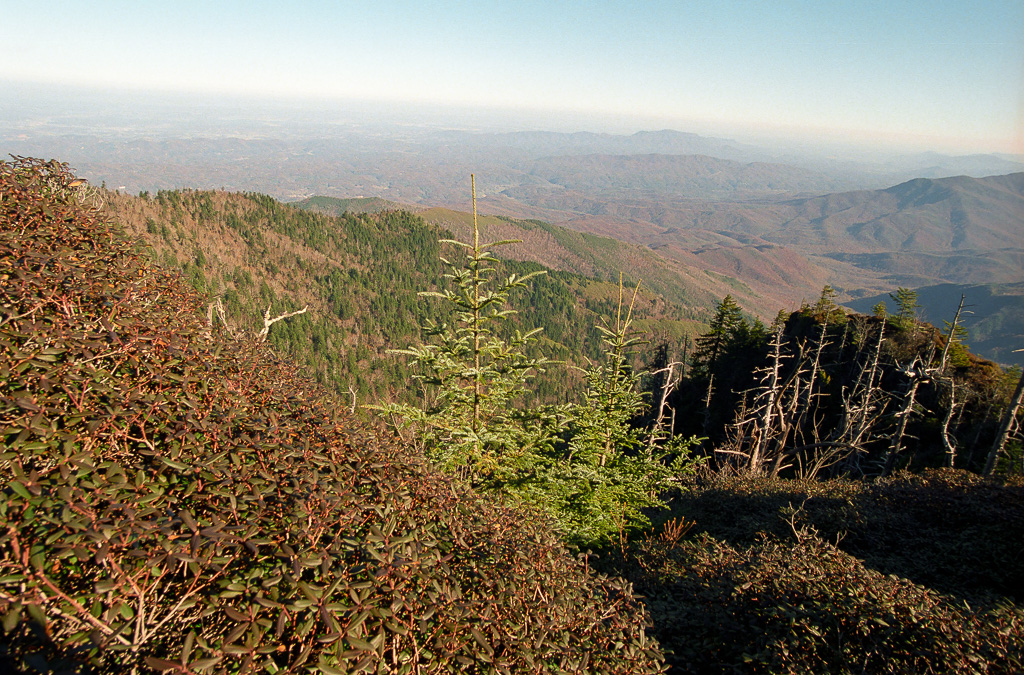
[[562, 249], [921, 216], [360, 275], [922, 232]]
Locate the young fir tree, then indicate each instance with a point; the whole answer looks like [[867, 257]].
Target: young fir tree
[[826, 310], [722, 328], [906, 308], [609, 471], [584, 464], [472, 377]]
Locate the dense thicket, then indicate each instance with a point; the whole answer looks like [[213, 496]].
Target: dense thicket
[[178, 499], [913, 574], [825, 392]]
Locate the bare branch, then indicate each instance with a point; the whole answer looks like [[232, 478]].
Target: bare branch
[[1004, 429], [268, 322]]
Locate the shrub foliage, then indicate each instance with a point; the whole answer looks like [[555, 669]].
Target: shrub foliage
[[804, 606], [180, 501], [912, 574]]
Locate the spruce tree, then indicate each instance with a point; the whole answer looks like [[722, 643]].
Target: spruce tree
[[721, 329], [470, 376], [585, 464], [906, 308]]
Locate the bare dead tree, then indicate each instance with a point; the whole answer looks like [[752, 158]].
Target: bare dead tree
[[949, 383], [770, 393], [952, 335], [815, 453], [668, 386], [736, 436], [916, 374], [948, 442], [268, 322], [218, 308], [862, 408], [1009, 421], [707, 402], [757, 437], [807, 395], [352, 391]]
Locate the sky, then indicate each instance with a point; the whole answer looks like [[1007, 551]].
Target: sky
[[929, 74]]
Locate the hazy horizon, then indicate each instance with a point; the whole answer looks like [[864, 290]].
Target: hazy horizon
[[908, 77], [43, 106]]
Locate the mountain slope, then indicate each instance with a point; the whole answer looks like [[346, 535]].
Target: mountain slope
[[176, 497], [360, 275], [922, 232], [993, 315], [597, 257], [922, 215]]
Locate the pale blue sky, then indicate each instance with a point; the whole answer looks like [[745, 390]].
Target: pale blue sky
[[932, 73]]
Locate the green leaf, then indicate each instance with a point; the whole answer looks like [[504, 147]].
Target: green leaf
[[37, 614], [359, 645], [173, 464], [20, 489], [12, 618]]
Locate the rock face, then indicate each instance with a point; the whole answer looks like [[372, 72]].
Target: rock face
[[179, 498]]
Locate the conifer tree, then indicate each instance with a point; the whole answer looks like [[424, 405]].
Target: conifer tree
[[584, 464], [598, 484], [826, 309], [906, 308], [471, 376], [721, 329]]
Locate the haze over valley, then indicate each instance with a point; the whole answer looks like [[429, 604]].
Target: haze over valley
[[771, 227]]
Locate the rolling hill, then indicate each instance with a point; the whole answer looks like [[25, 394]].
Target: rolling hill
[[923, 232]]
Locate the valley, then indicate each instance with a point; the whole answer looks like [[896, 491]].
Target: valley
[[697, 216]]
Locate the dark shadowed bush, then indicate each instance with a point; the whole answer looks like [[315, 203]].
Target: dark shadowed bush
[[950, 530], [804, 606], [178, 501]]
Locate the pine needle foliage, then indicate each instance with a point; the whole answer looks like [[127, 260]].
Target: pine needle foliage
[[611, 470], [471, 377], [586, 465]]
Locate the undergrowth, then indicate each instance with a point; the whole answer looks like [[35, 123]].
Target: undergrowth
[[178, 500]]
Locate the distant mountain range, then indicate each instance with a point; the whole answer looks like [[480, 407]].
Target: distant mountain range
[[686, 176], [772, 227], [921, 233], [945, 236]]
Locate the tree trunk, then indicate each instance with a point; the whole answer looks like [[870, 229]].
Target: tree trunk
[[952, 335], [908, 408], [1004, 430], [947, 440]]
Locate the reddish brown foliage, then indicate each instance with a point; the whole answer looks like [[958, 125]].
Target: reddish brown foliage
[[176, 500]]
